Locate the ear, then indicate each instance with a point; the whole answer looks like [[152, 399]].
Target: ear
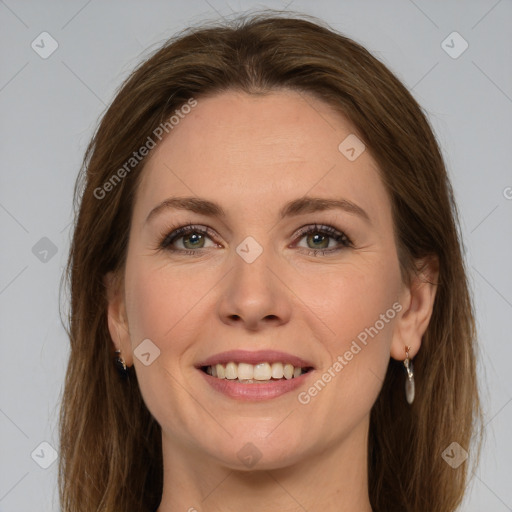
[[417, 300], [116, 314]]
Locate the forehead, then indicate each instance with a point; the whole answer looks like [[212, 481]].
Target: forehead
[[259, 148]]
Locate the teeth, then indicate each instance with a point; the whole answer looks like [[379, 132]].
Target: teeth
[[288, 371], [277, 371], [221, 371], [245, 371], [249, 373], [262, 371], [231, 371]]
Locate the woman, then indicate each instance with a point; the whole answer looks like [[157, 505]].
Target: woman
[[266, 240]]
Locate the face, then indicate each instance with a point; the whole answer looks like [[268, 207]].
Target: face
[[285, 256]]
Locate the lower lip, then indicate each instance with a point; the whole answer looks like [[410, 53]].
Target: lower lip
[[273, 389]]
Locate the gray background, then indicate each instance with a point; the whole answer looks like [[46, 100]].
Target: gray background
[[49, 108]]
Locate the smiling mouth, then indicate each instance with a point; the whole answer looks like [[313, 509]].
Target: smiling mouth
[[261, 373]]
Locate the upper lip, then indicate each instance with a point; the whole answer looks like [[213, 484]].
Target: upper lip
[[255, 357]]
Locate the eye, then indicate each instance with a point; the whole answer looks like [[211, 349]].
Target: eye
[[190, 237], [318, 239]]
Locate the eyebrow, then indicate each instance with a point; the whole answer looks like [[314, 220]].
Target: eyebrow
[[295, 207]]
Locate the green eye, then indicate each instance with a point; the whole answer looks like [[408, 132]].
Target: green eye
[[320, 237], [320, 241], [193, 238]]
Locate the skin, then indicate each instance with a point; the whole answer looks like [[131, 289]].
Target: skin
[[252, 154]]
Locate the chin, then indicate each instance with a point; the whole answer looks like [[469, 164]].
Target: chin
[[252, 450]]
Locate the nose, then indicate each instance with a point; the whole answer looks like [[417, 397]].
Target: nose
[[255, 295]]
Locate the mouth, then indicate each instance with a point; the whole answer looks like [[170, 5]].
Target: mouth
[[261, 375]]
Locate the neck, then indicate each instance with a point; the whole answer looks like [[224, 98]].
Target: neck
[[334, 480]]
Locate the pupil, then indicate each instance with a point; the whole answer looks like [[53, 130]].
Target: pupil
[[319, 238], [194, 237]]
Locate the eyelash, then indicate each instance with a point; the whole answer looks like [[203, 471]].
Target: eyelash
[[168, 238]]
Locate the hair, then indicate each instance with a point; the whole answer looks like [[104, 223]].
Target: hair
[[110, 444]]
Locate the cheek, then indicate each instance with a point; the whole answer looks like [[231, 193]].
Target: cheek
[[360, 308], [352, 297], [161, 305], [159, 301], [361, 301]]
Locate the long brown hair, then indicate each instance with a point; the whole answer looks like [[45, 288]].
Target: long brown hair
[[110, 451]]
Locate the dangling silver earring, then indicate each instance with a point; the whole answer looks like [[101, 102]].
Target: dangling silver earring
[[120, 365], [409, 382]]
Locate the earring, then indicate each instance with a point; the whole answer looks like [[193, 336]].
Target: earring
[[409, 383], [120, 364]]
